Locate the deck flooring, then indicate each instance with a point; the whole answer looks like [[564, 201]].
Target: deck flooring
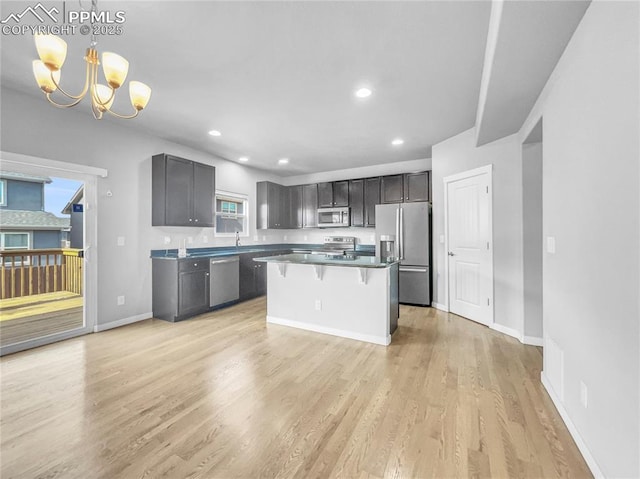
[[31, 317]]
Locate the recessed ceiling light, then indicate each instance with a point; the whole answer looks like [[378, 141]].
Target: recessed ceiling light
[[283, 161], [397, 142], [363, 92], [243, 159], [215, 133]]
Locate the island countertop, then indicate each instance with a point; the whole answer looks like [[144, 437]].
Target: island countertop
[[327, 260]]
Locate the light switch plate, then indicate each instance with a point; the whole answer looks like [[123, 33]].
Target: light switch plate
[[551, 244], [441, 239], [120, 300], [190, 239], [167, 240], [120, 241]]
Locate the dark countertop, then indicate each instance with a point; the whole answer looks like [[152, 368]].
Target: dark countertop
[[327, 260], [365, 250]]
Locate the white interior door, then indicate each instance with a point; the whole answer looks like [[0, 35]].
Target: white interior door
[[469, 245]]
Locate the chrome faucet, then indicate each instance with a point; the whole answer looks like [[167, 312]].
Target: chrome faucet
[[237, 239]]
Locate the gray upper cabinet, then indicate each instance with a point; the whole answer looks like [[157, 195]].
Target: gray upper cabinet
[[325, 195], [371, 199], [183, 192], [416, 187], [332, 194], [309, 206], [273, 206], [391, 189], [356, 202], [295, 207]]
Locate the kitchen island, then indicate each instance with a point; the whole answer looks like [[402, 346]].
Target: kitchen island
[[349, 296]]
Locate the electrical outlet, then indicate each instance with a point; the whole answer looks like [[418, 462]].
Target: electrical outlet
[[584, 394], [264, 238], [318, 305], [167, 240], [120, 241], [190, 239], [305, 237], [551, 244], [441, 239], [284, 238], [255, 238], [120, 300]]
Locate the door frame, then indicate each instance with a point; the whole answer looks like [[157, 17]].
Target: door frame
[[483, 170], [89, 176]]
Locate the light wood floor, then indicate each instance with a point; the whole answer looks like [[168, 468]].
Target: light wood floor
[[224, 395]]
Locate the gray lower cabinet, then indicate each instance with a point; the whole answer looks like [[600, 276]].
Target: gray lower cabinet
[[253, 275], [180, 288]]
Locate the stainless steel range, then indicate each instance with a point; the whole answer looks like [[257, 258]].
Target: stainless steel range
[[338, 245]]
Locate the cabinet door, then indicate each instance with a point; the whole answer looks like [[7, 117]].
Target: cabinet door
[[193, 292], [325, 195], [310, 206], [371, 199], [392, 189], [416, 186], [260, 270], [204, 181], [341, 193], [356, 202], [178, 192], [273, 205], [295, 207], [284, 208], [247, 277]]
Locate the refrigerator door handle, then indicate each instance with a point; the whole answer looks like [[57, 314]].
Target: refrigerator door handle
[[397, 246], [401, 241], [405, 269]]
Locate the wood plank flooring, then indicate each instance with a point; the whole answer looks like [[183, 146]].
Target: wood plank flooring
[[224, 395]]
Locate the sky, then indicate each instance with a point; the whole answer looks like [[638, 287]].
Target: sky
[[58, 193]]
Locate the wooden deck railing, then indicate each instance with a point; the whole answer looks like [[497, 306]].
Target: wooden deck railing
[[37, 271]]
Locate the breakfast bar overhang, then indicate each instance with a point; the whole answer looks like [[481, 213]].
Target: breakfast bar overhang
[[351, 297]]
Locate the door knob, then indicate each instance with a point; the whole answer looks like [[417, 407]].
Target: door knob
[[451, 254]]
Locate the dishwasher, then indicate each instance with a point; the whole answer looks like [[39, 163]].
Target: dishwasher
[[224, 280]]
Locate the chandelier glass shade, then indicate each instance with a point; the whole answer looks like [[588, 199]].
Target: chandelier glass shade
[[52, 51]]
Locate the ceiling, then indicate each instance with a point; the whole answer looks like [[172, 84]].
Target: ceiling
[[278, 78]]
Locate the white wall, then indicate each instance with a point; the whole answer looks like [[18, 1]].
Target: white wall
[[591, 184], [459, 154], [31, 126], [532, 238]]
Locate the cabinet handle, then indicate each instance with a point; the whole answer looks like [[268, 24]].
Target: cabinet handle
[[207, 274], [195, 264], [196, 220], [190, 219]]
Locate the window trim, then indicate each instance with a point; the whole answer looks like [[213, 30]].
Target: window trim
[[3, 192], [234, 197], [2, 240]]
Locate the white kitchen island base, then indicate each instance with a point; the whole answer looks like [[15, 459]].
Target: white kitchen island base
[[356, 302]]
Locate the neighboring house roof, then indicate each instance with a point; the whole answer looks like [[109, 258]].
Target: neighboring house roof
[[77, 198], [11, 175], [32, 220]]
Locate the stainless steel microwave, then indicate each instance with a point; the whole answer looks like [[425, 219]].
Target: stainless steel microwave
[[333, 217]]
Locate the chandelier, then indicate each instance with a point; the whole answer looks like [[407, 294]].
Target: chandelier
[[53, 51]]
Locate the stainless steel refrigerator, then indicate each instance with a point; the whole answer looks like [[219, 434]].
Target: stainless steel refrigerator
[[408, 225]]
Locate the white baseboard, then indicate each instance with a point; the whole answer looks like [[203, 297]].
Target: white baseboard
[[382, 340], [439, 306], [584, 450], [532, 341], [506, 330], [122, 322]]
